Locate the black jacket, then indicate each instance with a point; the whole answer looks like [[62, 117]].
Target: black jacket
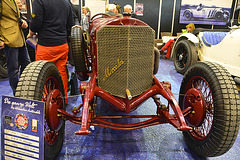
[[52, 20]]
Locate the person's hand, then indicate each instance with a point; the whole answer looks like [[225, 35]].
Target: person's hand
[[30, 34], [24, 24], [1, 45]]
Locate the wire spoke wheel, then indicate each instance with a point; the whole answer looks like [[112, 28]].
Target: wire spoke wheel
[[212, 94], [202, 131], [50, 135], [37, 81]]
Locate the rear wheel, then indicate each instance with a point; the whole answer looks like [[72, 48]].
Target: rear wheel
[[184, 55], [41, 81], [211, 93]]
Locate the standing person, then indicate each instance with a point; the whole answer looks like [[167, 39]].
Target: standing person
[[111, 10], [25, 30], [76, 16], [13, 41], [30, 49], [118, 10], [128, 9], [84, 21], [52, 21]]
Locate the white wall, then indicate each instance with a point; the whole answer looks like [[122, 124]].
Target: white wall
[[96, 6]]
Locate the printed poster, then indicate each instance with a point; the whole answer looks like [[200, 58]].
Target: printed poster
[[22, 129], [212, 12], [139, 9]]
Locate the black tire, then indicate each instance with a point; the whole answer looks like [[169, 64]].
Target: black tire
[[77, 46], [36, 81], [219, 17], [187, 15], [3, 64], [217, 131], [184, 55]]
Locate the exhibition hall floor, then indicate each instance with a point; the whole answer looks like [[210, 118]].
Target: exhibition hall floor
[[151, 143]]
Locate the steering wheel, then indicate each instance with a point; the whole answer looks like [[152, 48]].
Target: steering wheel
[[103, 14]]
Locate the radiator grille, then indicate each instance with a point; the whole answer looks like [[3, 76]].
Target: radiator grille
[[125, 59]]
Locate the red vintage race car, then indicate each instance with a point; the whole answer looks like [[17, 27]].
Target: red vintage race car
[[119, 57]]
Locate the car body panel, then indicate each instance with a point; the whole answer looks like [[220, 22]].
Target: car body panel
[[191, 37], [226, 53]]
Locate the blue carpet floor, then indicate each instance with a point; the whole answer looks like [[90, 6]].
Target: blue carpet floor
[[151, 143]]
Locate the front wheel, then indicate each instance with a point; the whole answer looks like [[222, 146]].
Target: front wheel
[[211, 93], [184, 55], [41, 81]]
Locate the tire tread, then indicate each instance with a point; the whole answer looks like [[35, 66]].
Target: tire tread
[[226, 115]]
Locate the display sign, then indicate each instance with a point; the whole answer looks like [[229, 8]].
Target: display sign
[[22, 129], [139, 9], [212, 12]]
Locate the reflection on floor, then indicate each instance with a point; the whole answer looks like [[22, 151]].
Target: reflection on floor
[[151, 143]]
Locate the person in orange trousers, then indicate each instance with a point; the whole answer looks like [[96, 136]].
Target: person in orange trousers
[[59, 56], [52, 22]]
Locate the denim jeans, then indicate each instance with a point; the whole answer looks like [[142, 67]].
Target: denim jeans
[[16, 57]]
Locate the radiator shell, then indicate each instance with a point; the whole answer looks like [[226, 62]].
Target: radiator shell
[[125, 59]]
